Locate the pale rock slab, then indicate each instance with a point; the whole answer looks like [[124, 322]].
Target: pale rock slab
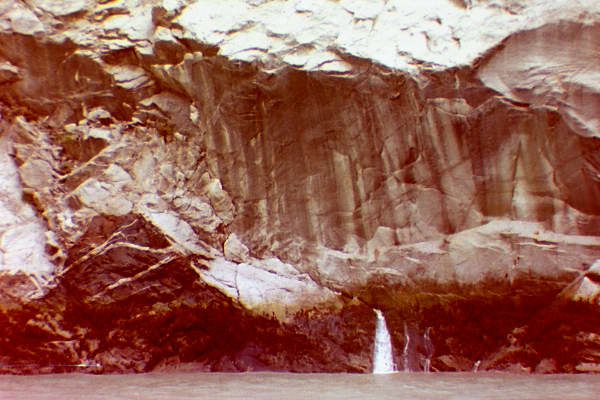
[[585, 288], [102, 197], [61, 8], [266, 286], [543, 68], [8, 72], [16, 17], [177, 230], [22, 235], [234, 249], [198, 212]]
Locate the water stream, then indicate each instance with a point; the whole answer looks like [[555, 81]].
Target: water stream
[[383, 357], [418, 349], [406, 351], [428, 345]]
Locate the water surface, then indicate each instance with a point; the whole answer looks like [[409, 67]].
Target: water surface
[[259, 385]]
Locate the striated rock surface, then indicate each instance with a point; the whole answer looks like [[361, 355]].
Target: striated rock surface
[[236, 185]]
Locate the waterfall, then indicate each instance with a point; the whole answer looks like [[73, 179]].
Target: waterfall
[[383, 358]]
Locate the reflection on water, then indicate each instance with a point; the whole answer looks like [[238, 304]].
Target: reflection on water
[[192, 385]]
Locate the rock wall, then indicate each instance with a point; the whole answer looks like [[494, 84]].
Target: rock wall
[[236, 185]]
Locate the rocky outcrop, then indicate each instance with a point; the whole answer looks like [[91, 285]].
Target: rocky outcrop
[[236, 185]]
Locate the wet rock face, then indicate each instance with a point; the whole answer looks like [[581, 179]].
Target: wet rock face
[[179, 188]]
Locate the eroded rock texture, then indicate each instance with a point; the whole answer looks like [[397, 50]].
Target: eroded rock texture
[[236, 185]]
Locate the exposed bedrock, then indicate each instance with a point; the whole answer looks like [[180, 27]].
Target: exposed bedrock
[[243, 197]]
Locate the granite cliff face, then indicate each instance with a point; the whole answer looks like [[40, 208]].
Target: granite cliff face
[[235, 185]]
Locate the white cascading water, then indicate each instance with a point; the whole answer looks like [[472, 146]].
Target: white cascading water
[[383, 358]]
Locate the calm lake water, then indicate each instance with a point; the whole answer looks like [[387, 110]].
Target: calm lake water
[[193, 385]]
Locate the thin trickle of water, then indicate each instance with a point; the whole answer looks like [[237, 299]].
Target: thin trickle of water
[[405, 352], [418, 349], [428, 344], [383, 358], [427, 366], [476, 366]]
